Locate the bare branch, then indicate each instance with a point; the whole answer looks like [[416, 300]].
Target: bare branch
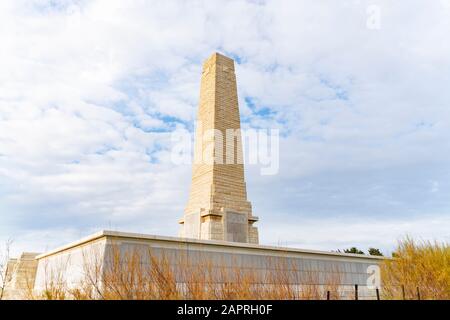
[[5, 273]]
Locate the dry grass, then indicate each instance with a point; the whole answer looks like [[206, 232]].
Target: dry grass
[[418, 266], [143, 275]]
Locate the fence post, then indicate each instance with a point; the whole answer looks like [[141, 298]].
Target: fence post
[[328, 295], [418, 293], [403, 292], [378, 293], [356, 292]]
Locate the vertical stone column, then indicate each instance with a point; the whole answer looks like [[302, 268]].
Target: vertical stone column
[[218, 208]]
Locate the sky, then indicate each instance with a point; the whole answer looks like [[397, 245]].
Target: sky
[[91, 91]]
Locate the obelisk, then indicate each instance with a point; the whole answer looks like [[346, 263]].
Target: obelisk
[[218, 208]]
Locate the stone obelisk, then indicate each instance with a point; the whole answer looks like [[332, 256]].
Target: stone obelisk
[[218, 208]]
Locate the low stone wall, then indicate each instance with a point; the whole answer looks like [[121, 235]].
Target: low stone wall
[[68, 266]]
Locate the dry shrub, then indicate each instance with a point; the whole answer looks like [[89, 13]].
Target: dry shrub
[[55, 285], [142, 274], [333, 284], [134, 275], [145, 274], [417, 265]]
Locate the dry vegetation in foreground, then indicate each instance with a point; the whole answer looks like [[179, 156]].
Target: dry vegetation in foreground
[[4, 272], [420, 269], [142, 275]]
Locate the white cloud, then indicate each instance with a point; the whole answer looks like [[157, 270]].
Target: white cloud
[[90, 89]]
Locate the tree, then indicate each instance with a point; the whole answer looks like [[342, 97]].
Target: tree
[[353, 250], [375, 252]]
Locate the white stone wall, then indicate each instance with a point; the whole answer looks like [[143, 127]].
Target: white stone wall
[[68, 267]]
